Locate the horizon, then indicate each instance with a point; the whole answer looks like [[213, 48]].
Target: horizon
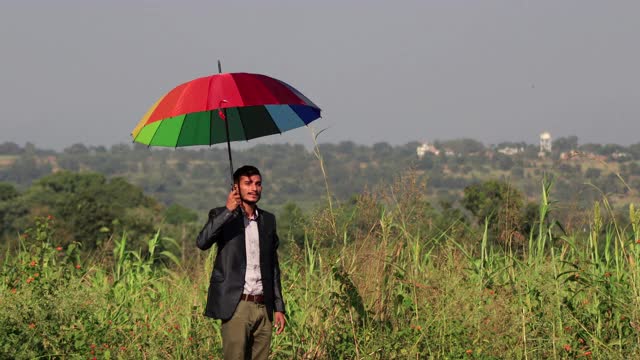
[[249, 145]]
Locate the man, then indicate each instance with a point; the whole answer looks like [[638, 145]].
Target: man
[[244, 289]]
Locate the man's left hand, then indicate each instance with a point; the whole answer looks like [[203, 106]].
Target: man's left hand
[[279, 322]]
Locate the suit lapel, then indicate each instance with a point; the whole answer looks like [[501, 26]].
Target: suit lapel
[[262, 238], [242, 245]]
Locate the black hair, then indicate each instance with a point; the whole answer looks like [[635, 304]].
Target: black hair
[[246, 170]]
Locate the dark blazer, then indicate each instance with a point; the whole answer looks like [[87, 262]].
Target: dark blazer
[[226, 229]]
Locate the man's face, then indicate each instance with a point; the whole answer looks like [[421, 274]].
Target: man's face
[[250, 188]]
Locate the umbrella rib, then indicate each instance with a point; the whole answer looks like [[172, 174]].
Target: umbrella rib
[[156, 132], [273, 120], [235, 83], [180, 132], [210, 111], [244, 130]]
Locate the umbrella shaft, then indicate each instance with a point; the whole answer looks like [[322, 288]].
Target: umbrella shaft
[[226, 127]]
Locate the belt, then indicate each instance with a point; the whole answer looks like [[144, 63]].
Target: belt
[[259, 299]]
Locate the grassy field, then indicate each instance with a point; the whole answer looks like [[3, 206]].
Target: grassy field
[[375, 285]]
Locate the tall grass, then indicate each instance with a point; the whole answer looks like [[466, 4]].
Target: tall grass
[[391, 285]]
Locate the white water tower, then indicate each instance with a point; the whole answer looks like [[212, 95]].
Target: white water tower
[[545, 143]]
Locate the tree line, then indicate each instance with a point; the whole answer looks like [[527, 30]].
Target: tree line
[[134, 187]]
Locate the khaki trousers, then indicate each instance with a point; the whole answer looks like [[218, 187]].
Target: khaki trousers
[[247, 335]]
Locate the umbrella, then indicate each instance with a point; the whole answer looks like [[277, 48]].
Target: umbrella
[[224, 107]]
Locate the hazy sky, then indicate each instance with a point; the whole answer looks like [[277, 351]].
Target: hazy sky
[[395, 71]]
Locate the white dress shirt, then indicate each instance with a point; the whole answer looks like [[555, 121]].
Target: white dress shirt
[[253, 277]]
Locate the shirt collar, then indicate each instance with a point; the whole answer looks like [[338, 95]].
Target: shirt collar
[[253, 218]]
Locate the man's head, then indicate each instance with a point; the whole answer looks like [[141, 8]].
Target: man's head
[[249, 183]]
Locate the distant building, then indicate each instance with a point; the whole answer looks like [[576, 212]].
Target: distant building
[[620, 155], [570, 155], [511, 150], [426, 148], [545, 144]]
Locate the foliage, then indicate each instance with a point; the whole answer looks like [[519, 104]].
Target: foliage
[[56, 305], [176, 214], [8, 192], [402, 289], [198, 178], [461, 146], [499, 204], [292, 223], [563, 144], [25, 169], [11, 209], [89, 209]]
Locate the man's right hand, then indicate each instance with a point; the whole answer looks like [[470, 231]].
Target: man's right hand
[[233, 200]]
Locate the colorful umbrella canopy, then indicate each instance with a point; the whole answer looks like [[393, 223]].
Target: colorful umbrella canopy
[[253, 105]]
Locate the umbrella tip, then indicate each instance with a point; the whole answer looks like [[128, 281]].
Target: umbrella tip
[[219, 67]]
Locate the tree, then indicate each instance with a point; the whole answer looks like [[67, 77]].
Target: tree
[[427, 162], [567, 169], [591, 148], [8, 192], [100, 149], [564, 144], [140, 147], [10, 208], [497, 202], [531, 151], [176, 214], [511, 144], [382, 149], [121, 192], [30, 148], [592, 173], [463, 146], [634, 149], [76, 149], [10, 148], [24, 170], [89, 208], [504, 162], [346, 147], [612, 184], [70, 163], [89, 220], [120, 148], [291, 223], [530, 218], [517, 172], [634, 168], [64, 182], [12, 214]]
